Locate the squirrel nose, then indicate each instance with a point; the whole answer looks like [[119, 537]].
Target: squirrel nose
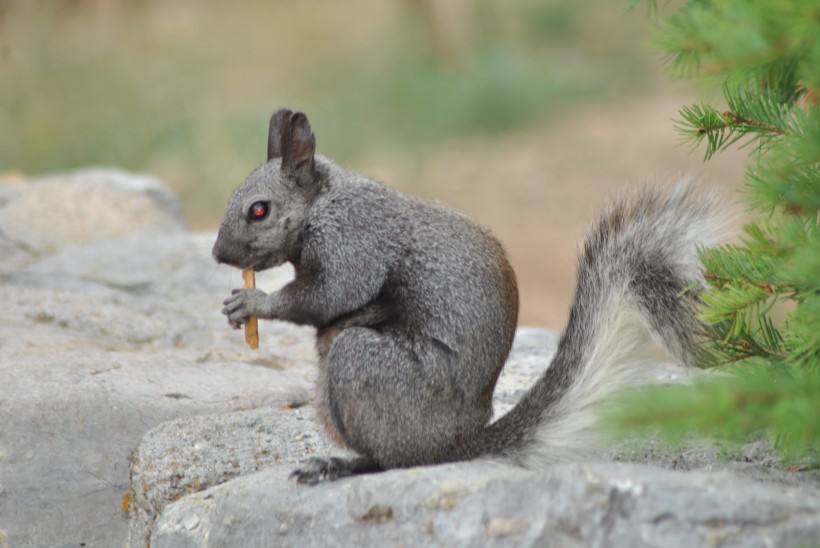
[[230, 251], [220, 251], [215, 252]]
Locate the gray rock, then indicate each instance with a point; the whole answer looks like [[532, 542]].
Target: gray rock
[[488, 504], [530, 356], [103, 340], [40, 215], [194, 453], [147, 289], [70, 421], [577, 505], [234, 444]]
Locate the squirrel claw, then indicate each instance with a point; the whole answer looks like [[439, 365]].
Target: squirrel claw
[[317, 469]]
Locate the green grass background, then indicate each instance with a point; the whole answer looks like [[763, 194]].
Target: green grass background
[[183, 89]]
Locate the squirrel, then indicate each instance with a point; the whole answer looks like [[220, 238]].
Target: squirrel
[[416, 307]]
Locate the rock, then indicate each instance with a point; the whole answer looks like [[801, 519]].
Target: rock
[[71, 421], [593, 503], [40, 215], [488, 504], [103, 338], [194, 453], [168, 464], [147, 289], [87, 372], [231, 445]]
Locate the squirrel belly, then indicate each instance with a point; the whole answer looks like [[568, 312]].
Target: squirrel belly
[[416, 308]]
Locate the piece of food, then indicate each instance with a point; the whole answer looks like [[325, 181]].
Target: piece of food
[[251, 331]]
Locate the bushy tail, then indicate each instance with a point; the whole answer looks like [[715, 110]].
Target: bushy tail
[[636, 264]]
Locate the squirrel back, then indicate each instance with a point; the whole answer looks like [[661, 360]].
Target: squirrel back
[[416, 307]]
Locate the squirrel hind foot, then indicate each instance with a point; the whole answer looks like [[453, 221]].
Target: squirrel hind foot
[[317, 469]]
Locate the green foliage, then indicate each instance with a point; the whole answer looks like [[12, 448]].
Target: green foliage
[[747, 403], [753, 113], [761, 311]]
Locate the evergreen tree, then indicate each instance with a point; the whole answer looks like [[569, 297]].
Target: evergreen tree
[[761, 311]]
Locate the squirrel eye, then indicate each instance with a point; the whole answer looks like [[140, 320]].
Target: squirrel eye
[[258, 211]]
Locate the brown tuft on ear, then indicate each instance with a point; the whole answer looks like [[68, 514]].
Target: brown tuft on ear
[[278, 132]]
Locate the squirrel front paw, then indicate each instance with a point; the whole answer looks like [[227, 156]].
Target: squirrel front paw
[[243, 303]]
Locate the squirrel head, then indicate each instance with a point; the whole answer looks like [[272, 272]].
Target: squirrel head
[[265, 214]]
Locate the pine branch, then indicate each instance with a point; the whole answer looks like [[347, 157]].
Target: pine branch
[[790, 178], [766, 53], [735, 408], [720, 349], [752, 113]]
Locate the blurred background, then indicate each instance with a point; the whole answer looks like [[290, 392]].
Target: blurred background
[[525, 114]]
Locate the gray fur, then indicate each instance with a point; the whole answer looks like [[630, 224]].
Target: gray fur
[[416, 307], [639, 277]]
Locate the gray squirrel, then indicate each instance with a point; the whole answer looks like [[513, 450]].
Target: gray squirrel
[[416, 307]]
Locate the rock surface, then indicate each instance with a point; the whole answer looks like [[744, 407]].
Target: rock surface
[[40, 215], [104, 334], [129, 413], [195, 453], [486, 504], [745, 500]]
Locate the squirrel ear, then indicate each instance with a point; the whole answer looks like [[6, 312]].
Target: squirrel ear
[[278, 131], [302, 142], [290, 138], [298, 150]]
